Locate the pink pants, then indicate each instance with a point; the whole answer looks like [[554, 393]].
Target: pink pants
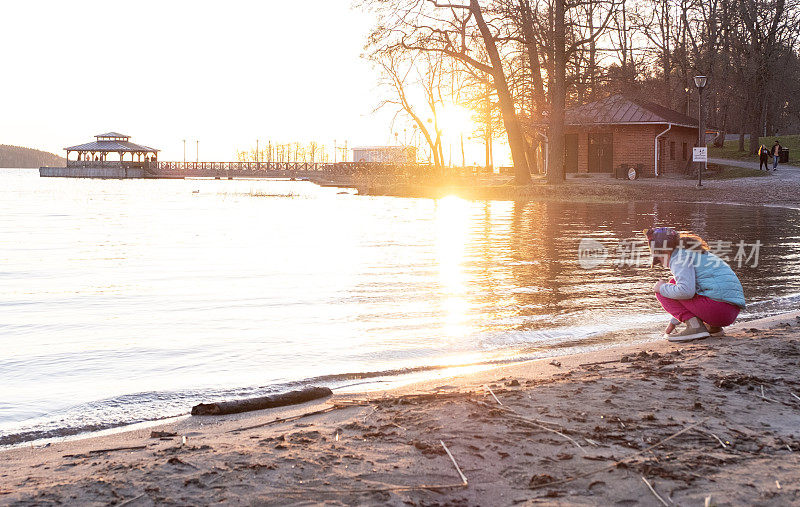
[[714, 313]]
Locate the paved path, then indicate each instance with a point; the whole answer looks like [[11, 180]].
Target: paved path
[[785, 172], [748, 164]]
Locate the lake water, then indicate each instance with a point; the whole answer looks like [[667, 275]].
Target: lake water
[[126, 301]]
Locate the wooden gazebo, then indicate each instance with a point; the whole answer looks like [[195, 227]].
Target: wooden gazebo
[[96, 153]]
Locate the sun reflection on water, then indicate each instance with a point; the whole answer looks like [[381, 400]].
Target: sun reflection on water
[[453, 216]]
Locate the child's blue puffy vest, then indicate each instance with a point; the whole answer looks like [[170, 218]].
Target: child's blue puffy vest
[[714, 279]]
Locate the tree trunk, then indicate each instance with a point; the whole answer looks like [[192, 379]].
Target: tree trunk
[[757, 125], [533, 56], [516, 141], [271, 401], [666, 63], [719, 141], [555, 171]]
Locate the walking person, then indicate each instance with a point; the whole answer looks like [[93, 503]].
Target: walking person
[[776, 153], [763, 158], [704, 292]]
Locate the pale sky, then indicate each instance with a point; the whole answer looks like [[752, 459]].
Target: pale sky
[[226, 73]]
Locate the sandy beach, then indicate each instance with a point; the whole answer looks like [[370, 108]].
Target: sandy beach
[[651, 424]]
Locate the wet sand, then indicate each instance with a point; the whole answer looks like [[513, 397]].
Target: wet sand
[[691, 420]]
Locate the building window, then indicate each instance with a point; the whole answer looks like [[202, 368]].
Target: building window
[[685, 151], [672, 150]]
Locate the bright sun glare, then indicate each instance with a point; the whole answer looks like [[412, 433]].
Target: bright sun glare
[[455, 120], [452, 218]]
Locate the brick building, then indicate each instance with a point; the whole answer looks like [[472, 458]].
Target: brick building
[[385, 154], [621, 131]]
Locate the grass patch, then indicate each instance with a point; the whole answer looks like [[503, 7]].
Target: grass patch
[[727, 172], [731, 148]]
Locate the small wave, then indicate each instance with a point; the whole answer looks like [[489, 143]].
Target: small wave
[[510, 346], [131, 409], [137, 408]]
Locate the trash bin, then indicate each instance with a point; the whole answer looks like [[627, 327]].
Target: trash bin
[[784, 156], [627, 172]]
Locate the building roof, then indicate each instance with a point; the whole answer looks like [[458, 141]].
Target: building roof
[[115, 146], [113, 134], [622, 109], [380, 148]]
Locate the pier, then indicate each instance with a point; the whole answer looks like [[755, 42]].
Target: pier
[[224, 170], [230, 170], [113, 156]]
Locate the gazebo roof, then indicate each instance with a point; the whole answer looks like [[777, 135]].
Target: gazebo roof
[[622, 109], [111, 145], [113, 134]]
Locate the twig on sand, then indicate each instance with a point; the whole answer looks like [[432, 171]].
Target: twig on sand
[[536, 423], [113, 449], [464, 483], [650, 487], [492, 393], [623, 460], [707, 503], [372, 490], [716, 437], [458, 469], [542, 426], [600, 362], [130, 501], [350, 403], [798, 397], [771, 399], [287, 419], [127, 448], [374, 409]]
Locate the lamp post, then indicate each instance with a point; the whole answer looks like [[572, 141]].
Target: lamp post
[[700, 83], [184, 151], [197, 151]]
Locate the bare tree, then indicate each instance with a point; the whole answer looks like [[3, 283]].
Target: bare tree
[[407, 76], [463, 33]]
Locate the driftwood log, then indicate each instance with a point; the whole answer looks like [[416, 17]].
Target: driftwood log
[[272, 401]]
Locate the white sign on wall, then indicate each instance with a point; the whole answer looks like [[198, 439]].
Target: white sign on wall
[[700, 154]]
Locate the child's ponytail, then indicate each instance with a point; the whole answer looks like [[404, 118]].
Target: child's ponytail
[[690, 241]]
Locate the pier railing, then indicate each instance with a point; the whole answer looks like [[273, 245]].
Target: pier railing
[[277, 169], [388, 171], [107, 164], [181, 167]]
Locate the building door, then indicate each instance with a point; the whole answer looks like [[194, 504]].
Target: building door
[[571, 153], [601, 153]]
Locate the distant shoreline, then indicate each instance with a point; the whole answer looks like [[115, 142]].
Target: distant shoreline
[[764, 191], [20, 157]]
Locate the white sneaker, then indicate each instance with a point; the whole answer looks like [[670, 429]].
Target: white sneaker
[[689, 334]]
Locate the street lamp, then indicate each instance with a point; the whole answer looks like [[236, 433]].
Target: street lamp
[[700, 83], [184, 151]]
